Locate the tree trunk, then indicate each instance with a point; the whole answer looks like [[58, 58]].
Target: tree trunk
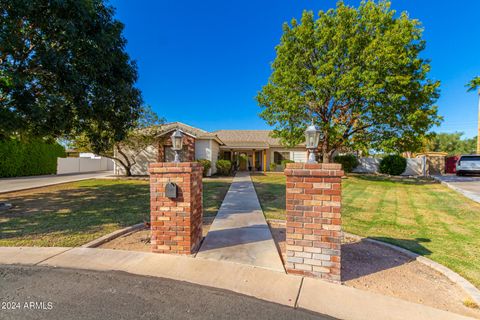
[[128, 165], [325, 158], [325, 152]]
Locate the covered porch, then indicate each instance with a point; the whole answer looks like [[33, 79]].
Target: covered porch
[[246, 159]]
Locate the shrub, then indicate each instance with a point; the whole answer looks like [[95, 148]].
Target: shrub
[[206, 165], [348, 162], [285, 161], [34, 157], [273, 166], [393, 164], [224, 167]]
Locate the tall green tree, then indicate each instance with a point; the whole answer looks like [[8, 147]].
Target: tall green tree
[[358, 74], [474, 84], [452, 143], [64, 71]]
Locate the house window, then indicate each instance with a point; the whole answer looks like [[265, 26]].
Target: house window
[[227, 155], [278, 157]]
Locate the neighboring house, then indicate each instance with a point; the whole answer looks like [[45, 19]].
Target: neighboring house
[[249, 150]]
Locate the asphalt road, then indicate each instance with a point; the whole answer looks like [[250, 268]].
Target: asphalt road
[[50, 293]]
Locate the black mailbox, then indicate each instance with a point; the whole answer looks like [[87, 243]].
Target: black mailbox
[[171, 190]]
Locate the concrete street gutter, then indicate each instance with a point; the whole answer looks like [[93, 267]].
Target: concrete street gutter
[[463, 283], [471, 195], [294, 291]]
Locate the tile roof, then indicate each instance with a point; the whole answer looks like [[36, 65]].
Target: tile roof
[[230, 138], [164, 128], [261, 138]]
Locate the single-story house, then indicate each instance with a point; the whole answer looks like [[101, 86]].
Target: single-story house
[[249, 150]]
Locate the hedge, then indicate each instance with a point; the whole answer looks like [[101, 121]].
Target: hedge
[[206, 165], [348, 162], [284, 162], [393, 165], [224, 167], [35, 157]]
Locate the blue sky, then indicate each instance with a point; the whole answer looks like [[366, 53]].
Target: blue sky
[[202, 62]]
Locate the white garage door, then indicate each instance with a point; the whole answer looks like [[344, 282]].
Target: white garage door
[[299, 156]]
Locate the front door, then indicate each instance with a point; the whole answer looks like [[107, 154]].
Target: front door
[[243, 158]]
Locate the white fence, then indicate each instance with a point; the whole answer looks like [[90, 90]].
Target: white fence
[[78, 165], [415, 166]]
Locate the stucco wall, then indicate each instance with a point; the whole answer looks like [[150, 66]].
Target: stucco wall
[[298, 156], [145, 157], [203, 150], [215, 153], [78, 165], [367, 165], [371, 165]]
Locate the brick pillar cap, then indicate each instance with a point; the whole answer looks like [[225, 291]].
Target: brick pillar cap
[[314, 169], [172, 167]]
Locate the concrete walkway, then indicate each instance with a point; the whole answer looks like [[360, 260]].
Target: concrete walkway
[[23, 183], [294, 291], [469, 186], [239, 232]]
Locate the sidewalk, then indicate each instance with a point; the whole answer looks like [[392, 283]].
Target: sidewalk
[[239, 232], [23, 183], [294, 291]]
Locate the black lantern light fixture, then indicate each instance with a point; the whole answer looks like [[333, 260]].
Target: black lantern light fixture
[[312, 138], [177, 144]]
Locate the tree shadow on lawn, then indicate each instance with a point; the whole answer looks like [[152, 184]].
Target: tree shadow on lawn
[[83, 209], [363, 257], [396, 179]]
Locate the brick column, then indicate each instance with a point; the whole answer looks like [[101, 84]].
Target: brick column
[[176, 224], [314, 220]]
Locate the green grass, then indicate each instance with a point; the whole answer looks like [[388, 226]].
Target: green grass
[[422, 216], [75, 213], [270, 189], [214, 190]]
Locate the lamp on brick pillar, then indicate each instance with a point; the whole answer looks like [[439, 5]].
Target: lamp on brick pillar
[[312, 138], [177, 144]]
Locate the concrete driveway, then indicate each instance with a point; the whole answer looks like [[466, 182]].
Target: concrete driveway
[[81, 294], [22, 183], [469, 186]]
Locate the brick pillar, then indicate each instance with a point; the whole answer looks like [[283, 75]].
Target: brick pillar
[[176, 224], [314, 220]]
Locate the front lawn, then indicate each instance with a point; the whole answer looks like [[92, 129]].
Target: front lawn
[[214, 190], [422, 216], [75, 213]]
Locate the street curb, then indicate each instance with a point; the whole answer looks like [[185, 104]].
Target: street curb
[[464, 193], [311, 294], [463, 283], [115, 234]]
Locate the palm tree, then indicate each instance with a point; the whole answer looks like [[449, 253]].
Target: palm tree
[[474, 85]]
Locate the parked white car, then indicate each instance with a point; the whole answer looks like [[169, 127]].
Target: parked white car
[[468, 164]]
